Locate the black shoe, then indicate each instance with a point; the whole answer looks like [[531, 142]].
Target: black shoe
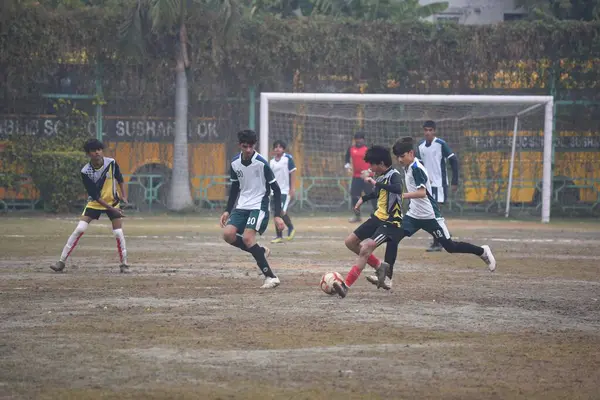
[[59, 267], [434, 247], [341, 289]]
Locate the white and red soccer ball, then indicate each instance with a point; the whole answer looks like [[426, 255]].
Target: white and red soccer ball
[[327, 282]]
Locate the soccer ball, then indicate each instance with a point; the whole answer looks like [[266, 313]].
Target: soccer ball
[[327, 282]]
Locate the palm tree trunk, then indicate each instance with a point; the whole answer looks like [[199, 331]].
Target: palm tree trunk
[[180, 197]]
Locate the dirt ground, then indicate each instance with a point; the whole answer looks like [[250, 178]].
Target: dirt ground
[[190, 321]]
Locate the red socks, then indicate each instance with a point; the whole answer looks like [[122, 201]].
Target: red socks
[[373, 261], [352, 275]]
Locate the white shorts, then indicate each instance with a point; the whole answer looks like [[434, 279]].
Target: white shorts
[[285, 202], [439, 194]]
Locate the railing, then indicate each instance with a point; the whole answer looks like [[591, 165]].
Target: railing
[[144, 189], [16, 200], [148, 192]]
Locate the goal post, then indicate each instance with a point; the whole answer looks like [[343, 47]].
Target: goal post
[[469, 123]]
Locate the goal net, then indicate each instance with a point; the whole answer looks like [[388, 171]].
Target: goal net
[[503, 143]]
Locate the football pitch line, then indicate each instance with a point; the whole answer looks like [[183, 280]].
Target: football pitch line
[[318, 238]]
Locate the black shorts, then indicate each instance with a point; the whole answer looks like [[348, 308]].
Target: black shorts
[[358, 186], [435, 227], [378, 230], [95, 214]]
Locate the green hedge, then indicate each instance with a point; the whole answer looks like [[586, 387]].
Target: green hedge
[[270, 50], [55, 175]]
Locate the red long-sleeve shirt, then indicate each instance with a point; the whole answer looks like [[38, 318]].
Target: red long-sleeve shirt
[[356, 156]]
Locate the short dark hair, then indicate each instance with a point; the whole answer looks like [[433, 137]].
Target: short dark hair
[[359, 135], [92, 144], [403, 145], [280, 143], [378, 154], [429, 124], [247, 136]]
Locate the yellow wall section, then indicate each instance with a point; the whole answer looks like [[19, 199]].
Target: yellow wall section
[[206, 159]]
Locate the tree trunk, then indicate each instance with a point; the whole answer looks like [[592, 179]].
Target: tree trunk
[[180, 197]]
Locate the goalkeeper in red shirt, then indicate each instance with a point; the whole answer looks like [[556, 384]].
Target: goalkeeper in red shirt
[[356, 164]]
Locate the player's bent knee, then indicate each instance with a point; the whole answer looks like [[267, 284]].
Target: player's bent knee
[[81, 227], [352, 242], [367, 246], [229, 236]]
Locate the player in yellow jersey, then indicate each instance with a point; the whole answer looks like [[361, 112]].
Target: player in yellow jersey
[[101, 178], [384, 226]]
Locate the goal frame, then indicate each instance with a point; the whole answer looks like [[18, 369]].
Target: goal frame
[[533, 101]]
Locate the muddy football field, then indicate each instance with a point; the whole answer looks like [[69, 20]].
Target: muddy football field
[[190, 321]]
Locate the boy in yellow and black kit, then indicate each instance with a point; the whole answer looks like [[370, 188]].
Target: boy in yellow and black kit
[[384, 226], [101, 177]]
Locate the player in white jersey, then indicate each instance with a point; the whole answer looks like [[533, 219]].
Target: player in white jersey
[[423, 211], [252, 179], [284, 168], [434, 153]]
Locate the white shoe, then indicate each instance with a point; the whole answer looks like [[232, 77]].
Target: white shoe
[[488, 257], [270, 283], [375, 281]]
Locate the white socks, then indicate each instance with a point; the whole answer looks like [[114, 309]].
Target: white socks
[[73, 240], [121, 248], [78, 233]]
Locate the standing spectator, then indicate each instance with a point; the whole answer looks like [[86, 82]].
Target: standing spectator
[[356, 164]]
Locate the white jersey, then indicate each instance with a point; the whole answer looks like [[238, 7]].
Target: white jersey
[[434, 156], [415, 177], [255, 177], [282, 169]]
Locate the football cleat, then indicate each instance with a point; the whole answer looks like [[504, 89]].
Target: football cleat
[[278, 239], [387, 285], [291, 234], [355, 218], [488, 257], [340, 288], [270, 283], [381, 273], [58, 267], [435, 246]]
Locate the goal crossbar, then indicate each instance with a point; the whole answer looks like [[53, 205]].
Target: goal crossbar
[[532, 101]]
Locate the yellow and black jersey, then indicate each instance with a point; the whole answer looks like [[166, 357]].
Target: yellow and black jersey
[[102, 183], [388, 192]]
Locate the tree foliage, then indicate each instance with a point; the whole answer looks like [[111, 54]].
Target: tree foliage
[[268, 51], [581, 10], [52, 163], [365, 10]]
